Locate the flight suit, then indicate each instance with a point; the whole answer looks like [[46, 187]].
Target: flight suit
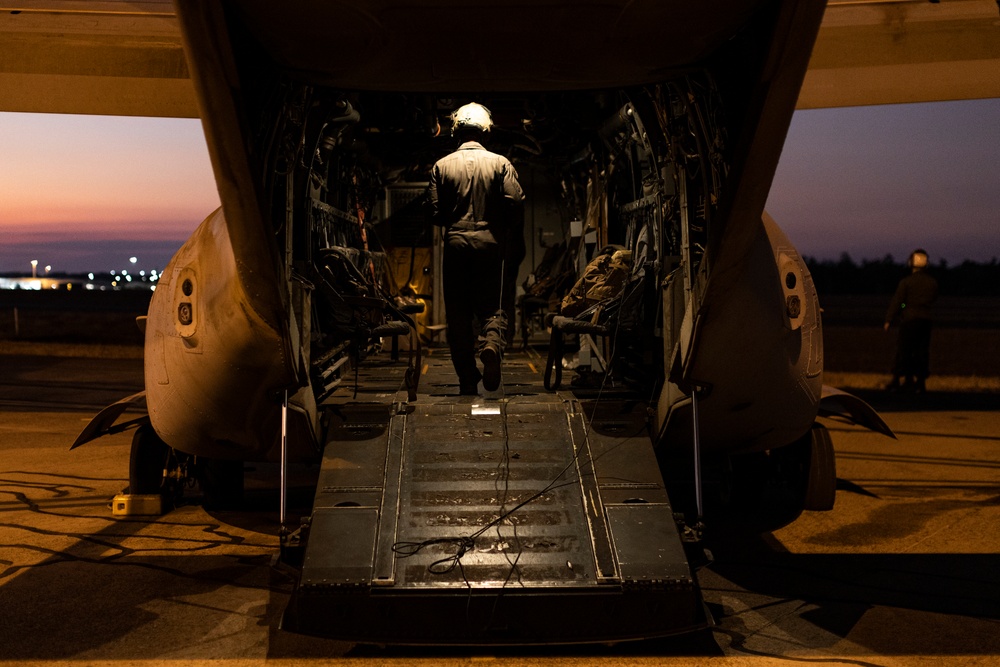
[[475, 197], [911, 302]]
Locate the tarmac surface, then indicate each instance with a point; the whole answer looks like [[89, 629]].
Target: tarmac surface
[[904, 571]]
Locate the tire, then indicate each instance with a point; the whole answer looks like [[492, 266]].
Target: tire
[[821, 479], [147, 460]]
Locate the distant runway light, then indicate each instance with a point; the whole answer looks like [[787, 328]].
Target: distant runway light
[[90, 276], [133, 260]]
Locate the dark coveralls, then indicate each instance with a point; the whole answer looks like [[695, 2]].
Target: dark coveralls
[[475, 197], [911, 302]]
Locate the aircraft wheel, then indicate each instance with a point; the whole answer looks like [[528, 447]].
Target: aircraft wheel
[[766, 491], [147, 461], [821, 479]]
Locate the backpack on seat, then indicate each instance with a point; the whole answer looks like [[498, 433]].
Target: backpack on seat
[[603, 279]]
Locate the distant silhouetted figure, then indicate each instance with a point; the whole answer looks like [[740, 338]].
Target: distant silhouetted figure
[[912, 305]]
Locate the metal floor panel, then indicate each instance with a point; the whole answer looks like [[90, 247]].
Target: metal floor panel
[[464, 470], [522, 516]]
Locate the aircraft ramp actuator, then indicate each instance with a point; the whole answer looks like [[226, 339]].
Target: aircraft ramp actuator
[[522, 517]]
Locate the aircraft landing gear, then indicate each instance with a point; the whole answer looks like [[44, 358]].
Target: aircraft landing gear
[[800, 476], [221, 484], [147, 462], [760, 492], [147, 466], [821, 477], [156, 471]]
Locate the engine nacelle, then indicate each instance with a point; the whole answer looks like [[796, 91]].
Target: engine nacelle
[[216, 369], [758, 358]]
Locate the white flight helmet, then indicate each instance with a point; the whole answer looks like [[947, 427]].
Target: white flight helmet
[[918, 259], [471, 115]]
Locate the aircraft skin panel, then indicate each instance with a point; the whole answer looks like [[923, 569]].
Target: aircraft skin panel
[[901, 84], [111, 58], [554, 45], [213, 367], [125, 58], [756, 157], [749, 334], [210, 58], [98, 96], [904, 52]]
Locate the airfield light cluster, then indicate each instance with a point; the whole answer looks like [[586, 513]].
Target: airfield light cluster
[[122, 277], [117, 279]]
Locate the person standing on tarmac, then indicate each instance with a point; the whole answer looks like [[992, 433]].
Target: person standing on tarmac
[[474, 196], [912, 304]]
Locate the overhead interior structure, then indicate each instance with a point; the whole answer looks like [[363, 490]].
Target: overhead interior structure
[[123, 57]]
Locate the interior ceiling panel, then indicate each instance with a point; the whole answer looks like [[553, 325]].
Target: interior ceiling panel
[[450, 46]]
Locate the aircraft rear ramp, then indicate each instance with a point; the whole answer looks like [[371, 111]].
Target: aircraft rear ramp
[[523, 517]]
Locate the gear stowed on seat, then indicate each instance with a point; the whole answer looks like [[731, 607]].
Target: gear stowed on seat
[[591, 304]]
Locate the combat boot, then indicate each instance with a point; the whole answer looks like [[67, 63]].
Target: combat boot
[[490, 356]]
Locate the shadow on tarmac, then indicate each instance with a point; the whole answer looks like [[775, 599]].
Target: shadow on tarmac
[[836, 590], [931, 401], [97, 598]]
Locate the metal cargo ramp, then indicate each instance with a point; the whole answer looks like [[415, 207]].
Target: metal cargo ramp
[[519, 518]]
